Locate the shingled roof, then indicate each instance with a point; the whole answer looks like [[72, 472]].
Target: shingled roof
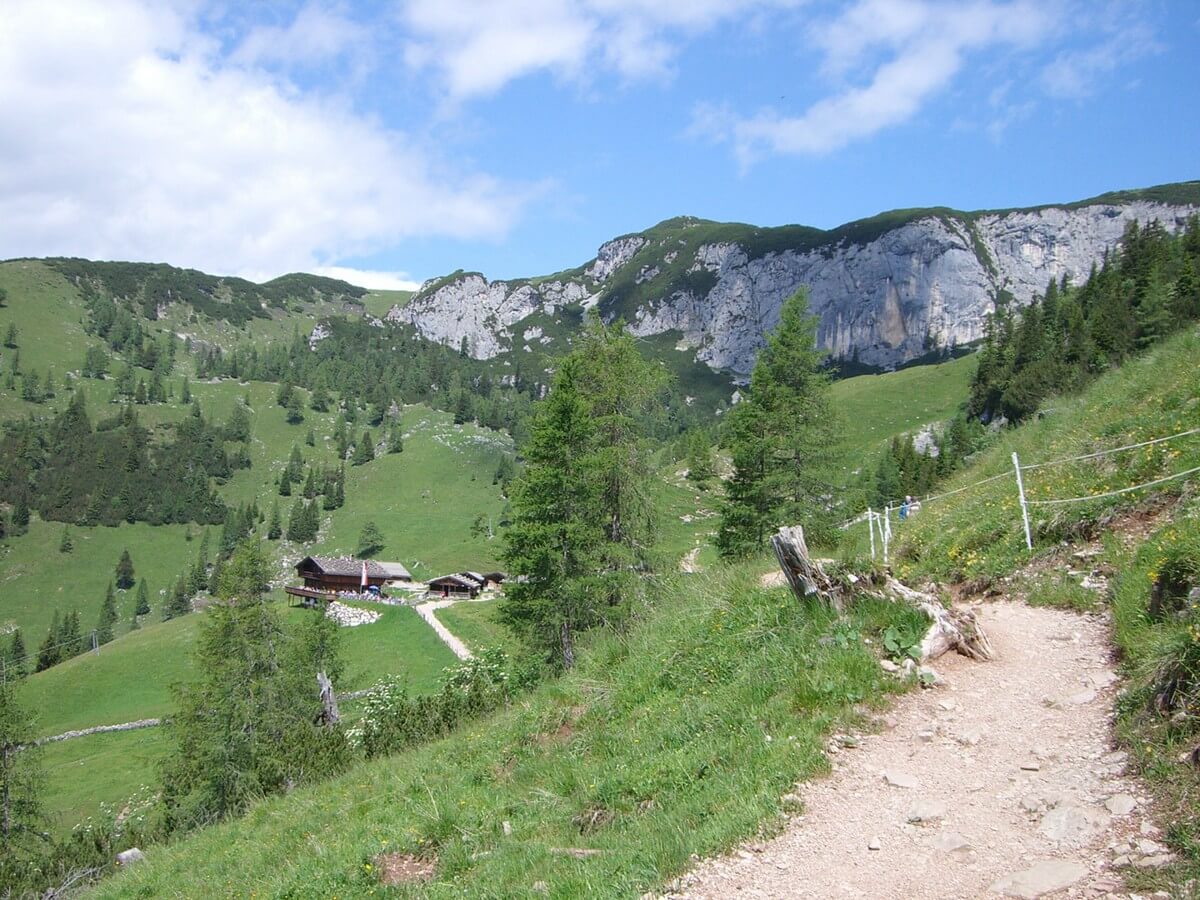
[[345, 565]]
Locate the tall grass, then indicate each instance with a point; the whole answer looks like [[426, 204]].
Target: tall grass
[[676, 738]]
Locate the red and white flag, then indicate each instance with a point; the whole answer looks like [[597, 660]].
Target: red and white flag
[[364, 577]]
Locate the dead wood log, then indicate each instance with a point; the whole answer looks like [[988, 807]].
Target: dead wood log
[[951, 629], [329, 715], [806, 576]]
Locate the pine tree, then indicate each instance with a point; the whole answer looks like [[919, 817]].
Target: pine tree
[[10, 336], [553, 546], [17, 655], [72, 635], [142, 604], [65, 545], [310, 484], [214, 577], [311, 438], [179, 603], [51, 651], [295, 410], [275, 528], [370, 541], [700, 458], [246, 726], [185, 391], [779, 438], [395, 442], [364, 450], [125, 579], [21, 819], [108, 617]]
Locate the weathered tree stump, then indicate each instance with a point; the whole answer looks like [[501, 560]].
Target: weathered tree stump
[[329, 715], [951, 629]]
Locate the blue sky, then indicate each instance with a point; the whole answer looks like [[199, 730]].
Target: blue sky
[[395, 141]]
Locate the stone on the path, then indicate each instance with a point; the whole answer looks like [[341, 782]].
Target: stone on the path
[[899, 779], [1031, 765], [888, 666], [924, 810], [1043, 878], [1150, 848], [1069, 824], [969, 737], [1082, 698], [1102, 679], [130, 856], [950, 842], [1120, 804], [874, 844]]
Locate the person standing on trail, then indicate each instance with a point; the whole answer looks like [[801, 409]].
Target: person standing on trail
[[904, 507], [914, 507]]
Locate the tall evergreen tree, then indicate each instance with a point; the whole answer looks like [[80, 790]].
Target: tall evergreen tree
[[51, 652], [72, 635], [553, 546], [65, 544], [142, 603], [275, 527], [21, 819], [18, 657], [125, 579], [370, 541], [108, 617], [779, 437], [364, 450], [246, 726]]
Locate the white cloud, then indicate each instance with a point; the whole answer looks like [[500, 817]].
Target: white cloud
[[909, 49], [479, 46], [1079, 73], [124, 135], [316, 34], [371, 279]]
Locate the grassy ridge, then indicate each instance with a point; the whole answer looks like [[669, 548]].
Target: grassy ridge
[[978, 533], [676, 739]]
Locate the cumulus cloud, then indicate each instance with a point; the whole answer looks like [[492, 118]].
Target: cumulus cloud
[[371, 279], [910, 50], [124, 134], [479, 46]]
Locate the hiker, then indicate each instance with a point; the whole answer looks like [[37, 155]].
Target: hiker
[[904, 507], [914, 507]]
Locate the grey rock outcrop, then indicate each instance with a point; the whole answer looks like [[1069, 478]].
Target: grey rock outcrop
[[882, 299]]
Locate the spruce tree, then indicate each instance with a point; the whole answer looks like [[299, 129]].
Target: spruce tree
[[364, 450], [779, 437], [179, 603], [275, 528], [22, 825], [370, 541], [17, 655], [185, 391], [51, 652], [142, 603], [10, 336], [71, 635], [20, 516], [247, 725], [65, 545], [125, 579], [395, 442], [553, 546], [108, 617]]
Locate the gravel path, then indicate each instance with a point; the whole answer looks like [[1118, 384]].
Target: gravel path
[[1002, 782], [426, 611]]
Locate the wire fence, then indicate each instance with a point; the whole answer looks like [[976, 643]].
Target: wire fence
[[880, 522]]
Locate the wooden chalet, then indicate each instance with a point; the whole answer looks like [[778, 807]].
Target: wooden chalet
[[464, 585], [325, 576]]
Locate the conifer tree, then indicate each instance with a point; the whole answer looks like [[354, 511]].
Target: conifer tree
[[275, 528], [779, 437], [17, 655], [20, 516], [246, 726], [21, 819], [65, 544], [185, 391], [51, 651], [364, 450], [370, 541], [179, 603], [108, 617], [72, 635], [125, 579], [142, 603], [395, 442], [10, 336], [310, 484]]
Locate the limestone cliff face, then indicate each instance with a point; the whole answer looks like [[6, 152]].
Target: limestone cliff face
[[925, 283]]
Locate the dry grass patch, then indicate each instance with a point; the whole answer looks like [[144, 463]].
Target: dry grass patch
[[395, 869]]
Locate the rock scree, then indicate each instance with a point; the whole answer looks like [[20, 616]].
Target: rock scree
[[1003, 782]]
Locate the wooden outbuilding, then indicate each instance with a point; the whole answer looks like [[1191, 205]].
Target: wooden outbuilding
[[460, 586]]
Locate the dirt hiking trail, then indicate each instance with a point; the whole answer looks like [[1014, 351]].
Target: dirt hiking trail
[[1001, 782]]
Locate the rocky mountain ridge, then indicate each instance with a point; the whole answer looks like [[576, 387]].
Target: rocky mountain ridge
[[888, 290]]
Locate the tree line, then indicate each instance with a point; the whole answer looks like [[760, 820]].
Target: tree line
[[1137, 295]]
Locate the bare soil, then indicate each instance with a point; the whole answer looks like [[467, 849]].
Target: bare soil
[[1007, 767]]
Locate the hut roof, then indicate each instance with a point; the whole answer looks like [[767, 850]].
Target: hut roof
[[345, 565], [458, 580]]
